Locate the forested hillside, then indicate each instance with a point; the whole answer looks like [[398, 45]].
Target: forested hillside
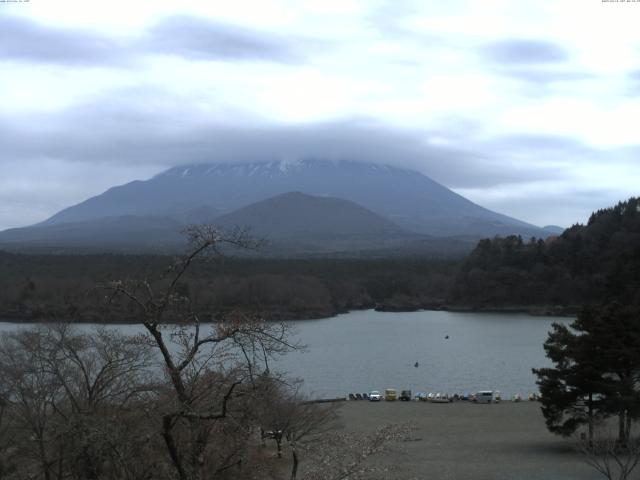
[[584, 265], [587, 264]]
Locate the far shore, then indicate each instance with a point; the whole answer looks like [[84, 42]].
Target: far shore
[[535, 311]]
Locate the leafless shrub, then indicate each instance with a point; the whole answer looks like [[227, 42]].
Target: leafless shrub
[[612, 459]]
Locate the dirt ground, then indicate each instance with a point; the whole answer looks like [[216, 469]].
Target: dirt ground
[[507, 441]]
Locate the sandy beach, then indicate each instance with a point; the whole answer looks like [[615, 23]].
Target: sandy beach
[[507, 441]]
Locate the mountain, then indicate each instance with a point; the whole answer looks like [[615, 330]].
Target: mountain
[[201, 214], [304, 207], [405, 197], [119, 232], [296, 224], [293, 224], [296, 214], [122, 233]]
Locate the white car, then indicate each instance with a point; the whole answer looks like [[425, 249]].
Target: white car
[[375, 396], [483, 396]]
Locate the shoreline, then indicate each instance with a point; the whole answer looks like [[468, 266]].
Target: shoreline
[[534, 311]]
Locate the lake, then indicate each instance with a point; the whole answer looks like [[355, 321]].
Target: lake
[[367, 350]]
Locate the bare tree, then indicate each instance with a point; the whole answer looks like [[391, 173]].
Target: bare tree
[[312, 434], [62, 393], [287, 415], [31, 396], [6, 434], [310, 422], [208, 370], [103, 375]]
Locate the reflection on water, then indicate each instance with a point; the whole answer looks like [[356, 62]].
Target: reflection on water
[[367, 350]]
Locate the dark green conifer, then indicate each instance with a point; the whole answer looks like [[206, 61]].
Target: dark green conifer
[[596, 367]]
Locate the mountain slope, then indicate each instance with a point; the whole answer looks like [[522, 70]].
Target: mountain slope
[[405, 197], [294, 224], [126, 232], [296, 214]]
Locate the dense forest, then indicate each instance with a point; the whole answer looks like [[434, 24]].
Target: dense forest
[[53, 287], [584, 265]]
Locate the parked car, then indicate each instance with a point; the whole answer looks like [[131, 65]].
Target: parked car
[[405, 395], [483, 396], [390, 394], [375, 396], [440, 398]]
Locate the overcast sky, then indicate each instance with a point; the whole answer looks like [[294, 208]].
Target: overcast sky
[[530, 108]]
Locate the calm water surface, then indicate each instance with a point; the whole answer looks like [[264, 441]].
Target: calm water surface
[[367, 350]]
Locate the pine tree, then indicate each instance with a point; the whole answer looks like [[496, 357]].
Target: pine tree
[[597, 361]]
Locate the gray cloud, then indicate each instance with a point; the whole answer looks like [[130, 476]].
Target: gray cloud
[[189, 37], [125, 136], [524, 52], [633, 79], [127, 127], [25, 40], [544, 77], [201, 39], [539, 63], [539, 143]]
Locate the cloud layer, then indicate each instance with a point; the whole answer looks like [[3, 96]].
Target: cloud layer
[[524, 116], [25, 40], [201, 39], [520, 51]]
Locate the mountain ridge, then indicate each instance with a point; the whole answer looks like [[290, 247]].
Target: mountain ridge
[[405, 197]]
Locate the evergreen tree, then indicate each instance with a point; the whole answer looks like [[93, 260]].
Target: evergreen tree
[[587, 265], [597, 361], [615, 333], [570, 391]]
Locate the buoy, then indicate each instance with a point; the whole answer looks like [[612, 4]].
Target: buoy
[[446, 337], [416, 365]]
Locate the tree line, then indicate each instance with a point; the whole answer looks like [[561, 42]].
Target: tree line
[[587, 264], [46, 287]]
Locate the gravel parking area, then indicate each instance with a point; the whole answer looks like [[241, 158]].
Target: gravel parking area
[[506, 441]]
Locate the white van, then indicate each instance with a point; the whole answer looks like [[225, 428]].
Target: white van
[[484, 396]]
